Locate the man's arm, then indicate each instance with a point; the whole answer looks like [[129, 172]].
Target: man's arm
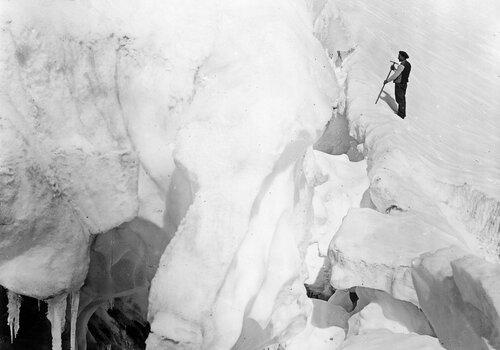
[[396, 74]]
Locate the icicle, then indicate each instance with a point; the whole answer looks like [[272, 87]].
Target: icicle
[[13, 307], [56, 313], [75, 300]]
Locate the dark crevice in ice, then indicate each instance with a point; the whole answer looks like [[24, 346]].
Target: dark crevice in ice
[[114, 299]]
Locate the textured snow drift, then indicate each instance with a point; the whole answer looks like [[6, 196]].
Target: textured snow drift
[[162, 150]]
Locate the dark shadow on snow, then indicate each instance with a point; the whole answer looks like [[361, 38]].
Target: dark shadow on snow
[[390, 101]]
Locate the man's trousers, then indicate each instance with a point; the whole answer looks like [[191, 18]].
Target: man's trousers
[[400, 92]]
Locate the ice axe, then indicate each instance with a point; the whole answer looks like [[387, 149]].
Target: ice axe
[[390, 70]]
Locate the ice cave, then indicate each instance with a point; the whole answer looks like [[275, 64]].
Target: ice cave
[[216, 175]]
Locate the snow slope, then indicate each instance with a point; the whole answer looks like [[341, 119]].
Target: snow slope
[[445, 153]]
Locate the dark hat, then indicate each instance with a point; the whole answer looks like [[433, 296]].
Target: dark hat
[[404, 54]]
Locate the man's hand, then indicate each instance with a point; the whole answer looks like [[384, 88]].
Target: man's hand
[[386, 81], [393, 67]]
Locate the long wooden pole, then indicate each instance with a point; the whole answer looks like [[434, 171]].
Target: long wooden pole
[[390, 70]]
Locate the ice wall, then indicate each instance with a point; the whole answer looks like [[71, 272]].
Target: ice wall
[[264, 94], [68, 169], [91, 96], [194, 116]]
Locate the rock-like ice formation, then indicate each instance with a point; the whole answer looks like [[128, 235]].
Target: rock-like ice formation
[[376, 250], [459, 302], [478, 283]]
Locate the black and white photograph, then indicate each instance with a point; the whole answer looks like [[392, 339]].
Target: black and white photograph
[[249, 174]]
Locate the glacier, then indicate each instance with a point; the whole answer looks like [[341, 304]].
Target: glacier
[[195, 175]]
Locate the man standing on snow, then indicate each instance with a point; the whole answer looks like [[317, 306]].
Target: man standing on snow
[[400, 77]]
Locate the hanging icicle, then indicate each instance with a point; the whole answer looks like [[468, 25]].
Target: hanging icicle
[[56, 313], [14, 308], [75, 300]]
